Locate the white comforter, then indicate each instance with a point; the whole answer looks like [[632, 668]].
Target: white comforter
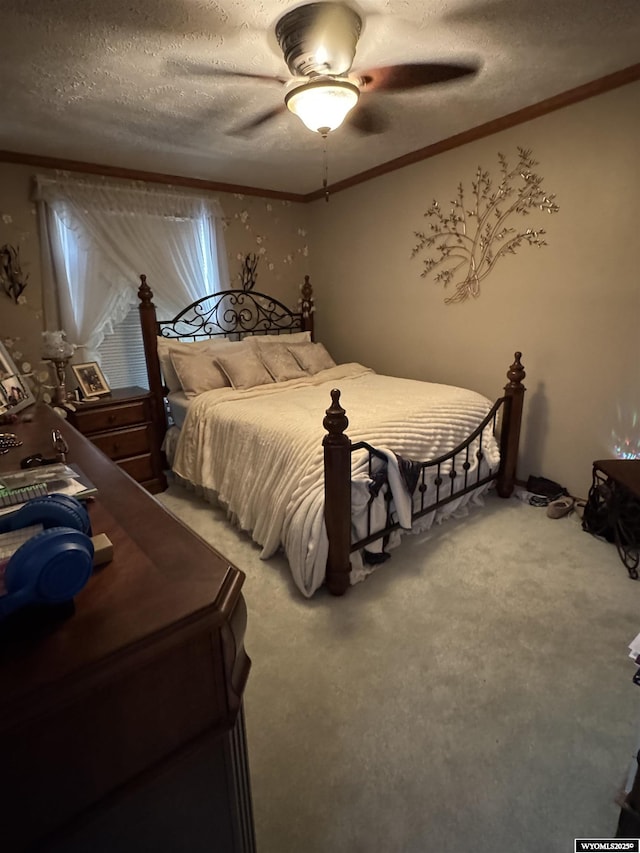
[[260, 450]]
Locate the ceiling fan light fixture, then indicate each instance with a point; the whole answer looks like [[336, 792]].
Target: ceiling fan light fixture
[[322, 105]]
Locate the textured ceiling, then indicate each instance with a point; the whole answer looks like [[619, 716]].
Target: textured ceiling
[[123, 82]]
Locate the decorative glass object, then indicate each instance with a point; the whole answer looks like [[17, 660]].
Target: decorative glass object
[[57, 350], [8, 440]]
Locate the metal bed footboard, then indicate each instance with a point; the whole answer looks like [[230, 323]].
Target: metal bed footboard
[[433, 492], [337, 473]]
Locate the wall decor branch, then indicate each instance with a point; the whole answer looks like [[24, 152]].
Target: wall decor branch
[[248, 273], [465, 244], [11, 276]]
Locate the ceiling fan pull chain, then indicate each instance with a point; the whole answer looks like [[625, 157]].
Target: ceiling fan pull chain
[[325, 168]]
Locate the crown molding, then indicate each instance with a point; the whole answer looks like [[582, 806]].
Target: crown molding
[[557, 102], [63, 165]]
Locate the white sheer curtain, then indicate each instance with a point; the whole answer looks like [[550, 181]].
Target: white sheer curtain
[[97, 237]]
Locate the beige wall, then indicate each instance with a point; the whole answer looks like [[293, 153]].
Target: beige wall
[[571, 307], [273, 229]]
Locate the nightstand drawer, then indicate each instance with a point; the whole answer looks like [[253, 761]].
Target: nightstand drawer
[[138, 467], [124, 442], [113, 417]]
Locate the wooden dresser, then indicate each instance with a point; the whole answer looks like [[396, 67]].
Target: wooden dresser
[[121, 425], [121, 725]]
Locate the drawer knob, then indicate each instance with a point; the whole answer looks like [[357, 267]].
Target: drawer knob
[[111, 419]]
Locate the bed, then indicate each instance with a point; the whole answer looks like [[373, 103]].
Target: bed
[[267, 447]]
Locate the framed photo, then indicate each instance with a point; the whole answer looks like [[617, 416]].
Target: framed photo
[[15, 393], [90, 379]]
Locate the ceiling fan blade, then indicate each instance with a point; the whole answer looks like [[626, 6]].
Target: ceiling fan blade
[[389, 78], [186, 68], [367, 120], [258, 121]]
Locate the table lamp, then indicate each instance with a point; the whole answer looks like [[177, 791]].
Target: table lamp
[[58, 351]]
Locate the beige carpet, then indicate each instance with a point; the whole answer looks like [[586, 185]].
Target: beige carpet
[[474, 694]]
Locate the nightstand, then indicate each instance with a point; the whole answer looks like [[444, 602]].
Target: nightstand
[[121, 425], [615, 493]]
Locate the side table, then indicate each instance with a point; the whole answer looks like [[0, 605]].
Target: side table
[[616, 492], [121, 425]]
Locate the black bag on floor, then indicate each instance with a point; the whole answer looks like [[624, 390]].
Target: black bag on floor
[[547, 488], [609, 503], [596, 514]]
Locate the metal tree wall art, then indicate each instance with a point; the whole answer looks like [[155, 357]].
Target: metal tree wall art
[[467, 242]]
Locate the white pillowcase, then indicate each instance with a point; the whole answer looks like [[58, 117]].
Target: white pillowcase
[[244, 369], [213, 345], [197, 371], [166, 345], [280, 362], [284, 338], [312, 357]]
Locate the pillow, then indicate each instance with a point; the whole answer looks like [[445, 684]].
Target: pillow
[[280, 363], [312, 357], [168, 372], [197, 371], [285, 337], [244, 369], [165, 345]]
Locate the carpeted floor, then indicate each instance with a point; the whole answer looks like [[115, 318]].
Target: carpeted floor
[[473, 694]]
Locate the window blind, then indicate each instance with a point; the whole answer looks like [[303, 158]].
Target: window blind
[[122, 354]]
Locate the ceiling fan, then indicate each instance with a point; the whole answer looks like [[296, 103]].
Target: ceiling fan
[[319, 41]]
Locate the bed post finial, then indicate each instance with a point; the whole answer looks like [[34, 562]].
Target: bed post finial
[[144, 291], [335, 421], [511, 423], [307, 306], [337, 495], [516, 372]]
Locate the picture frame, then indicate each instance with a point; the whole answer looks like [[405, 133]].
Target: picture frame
[[15, 393], [90, 379]]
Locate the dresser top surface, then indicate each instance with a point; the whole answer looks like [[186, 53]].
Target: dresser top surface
[[162, 577], [115, 396]]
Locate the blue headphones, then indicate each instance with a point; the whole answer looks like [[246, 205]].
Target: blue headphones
[[54, 565]]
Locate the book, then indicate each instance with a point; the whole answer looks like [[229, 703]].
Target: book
[[18, 487]]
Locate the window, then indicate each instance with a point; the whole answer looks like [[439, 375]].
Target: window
[[122, 354], [97, 237]]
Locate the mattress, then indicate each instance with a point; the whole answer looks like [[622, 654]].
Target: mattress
[[178, 403]]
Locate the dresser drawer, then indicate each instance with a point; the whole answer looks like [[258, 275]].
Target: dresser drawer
[[113, 417], [138, 467], [124, 442]]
